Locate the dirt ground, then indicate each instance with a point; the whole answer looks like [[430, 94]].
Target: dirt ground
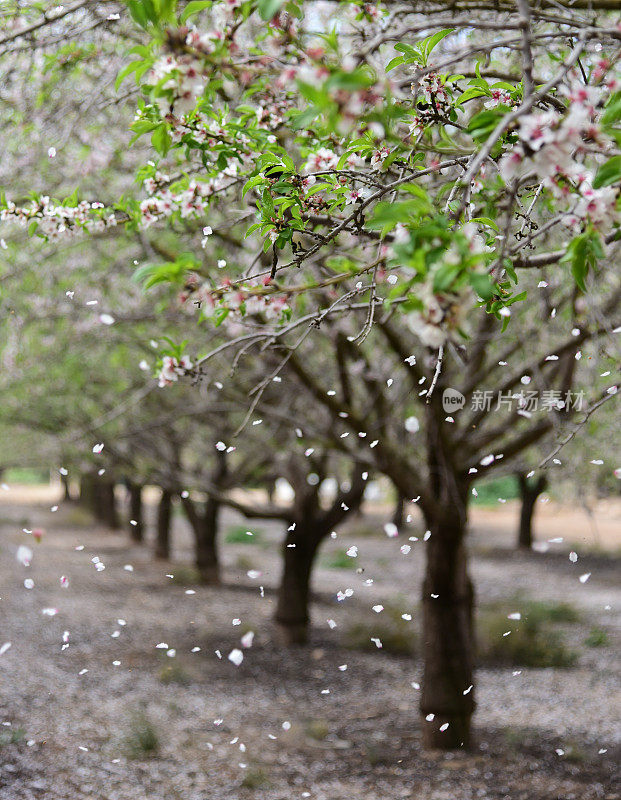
[[77, 723]]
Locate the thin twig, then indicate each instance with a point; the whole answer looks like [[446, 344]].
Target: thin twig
[[436, 374]]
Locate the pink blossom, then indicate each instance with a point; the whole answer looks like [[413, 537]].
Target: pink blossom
[[378, 157], [172, 368]]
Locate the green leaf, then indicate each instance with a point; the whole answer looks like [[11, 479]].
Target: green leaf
[[150, 11], [407, 49], [267, 158], [510, 270], [304, 118], [160, 139], [141, 127], [608, 173], [288, 162], [252, 229], [444, 277], [167, 10], [194, 7], [427, 45], [267, 8], [72, 199], [318, 187], [127, 70], [482, 285], [386, 215], [171, 272], [482, 124], [489, 223], [576, 255], [357, 79], [252, 183], [516, 298], [394, 62], [612, 110], [582, 255], [415, 189], [219, 316], [138, 13], [470, 94]]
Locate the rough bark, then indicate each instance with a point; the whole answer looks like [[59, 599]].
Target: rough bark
[[529, 493], [136, 531], [312, 525], [205, 529], [448, 646], [206, 555], [447, 696], [292, 611], [205, 524], [164, 514]]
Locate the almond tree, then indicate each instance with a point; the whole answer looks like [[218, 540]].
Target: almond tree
[[530, 491], [459, 448], [384, 173]]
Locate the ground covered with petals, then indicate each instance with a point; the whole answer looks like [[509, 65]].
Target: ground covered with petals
[[168, 723]]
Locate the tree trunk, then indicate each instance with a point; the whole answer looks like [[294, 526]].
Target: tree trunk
[[164, 513], [292, 612], [87, 491], [448, 635], [398, 516], [136, 531], [529, 493], [447, 696], [206, 546], [66, 489], [105, 502], [205, 529]]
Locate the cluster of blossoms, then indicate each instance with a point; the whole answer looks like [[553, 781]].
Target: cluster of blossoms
[[554, 148], [158, 181], [54, 221], [432, 99], [185, 83], [172, 369], [272, 106], [189, 202], [269, 307], [181, 75], [321, 160], [353, 105], [324, 159], [379, 156], [599, 205], [312, 68], [354, 195], [240, 301], [499, 97], [200, 129]]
